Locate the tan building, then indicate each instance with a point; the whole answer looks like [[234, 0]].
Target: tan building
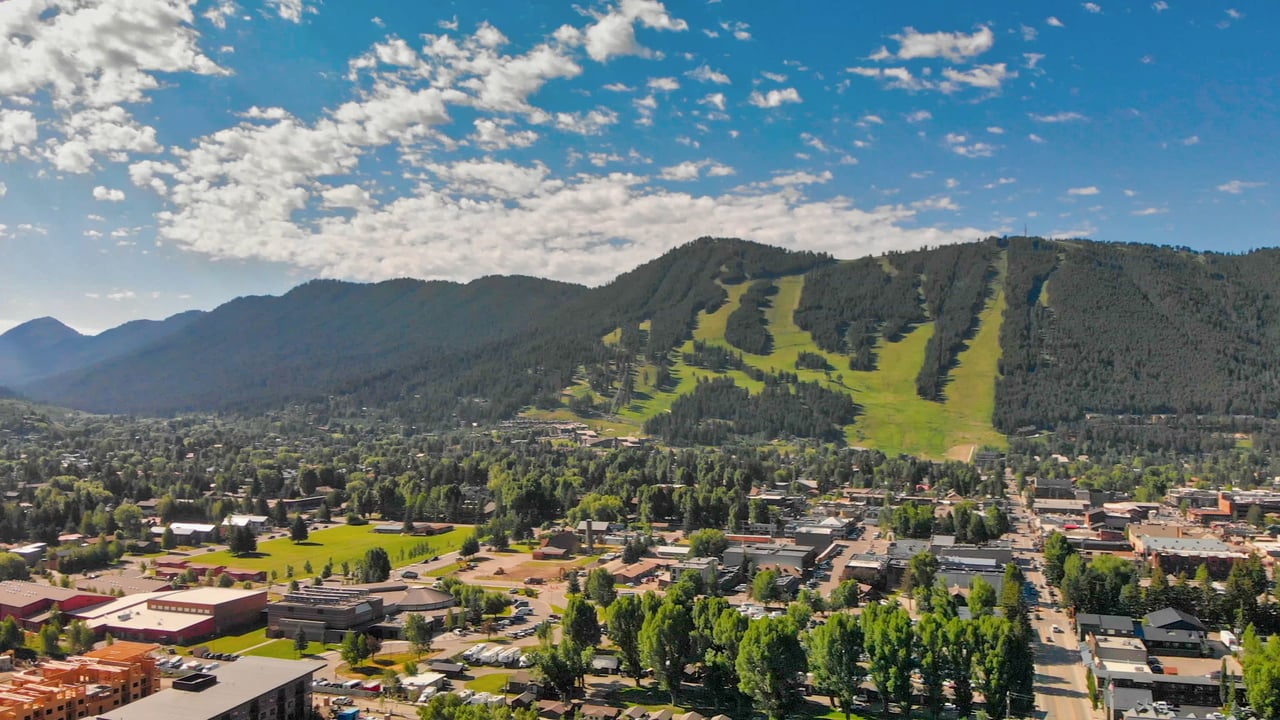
[[82, 685]]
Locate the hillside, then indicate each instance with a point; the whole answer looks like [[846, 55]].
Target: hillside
[[935, 351]]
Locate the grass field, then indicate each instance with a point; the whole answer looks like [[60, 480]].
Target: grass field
[[343, 543], [492, 683], [894, 418], [284, 649], [235, 643]]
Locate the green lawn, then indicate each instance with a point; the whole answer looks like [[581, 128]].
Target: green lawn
[[345, 542], [493, 683], [284, 649], [234, 643]]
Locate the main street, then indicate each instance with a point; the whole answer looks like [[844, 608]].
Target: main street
[[1061, 688]]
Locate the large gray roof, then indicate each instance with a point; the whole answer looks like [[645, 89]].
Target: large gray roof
[[238, 683]]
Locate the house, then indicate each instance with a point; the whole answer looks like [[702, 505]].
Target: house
[[525, 699], [1187, 643], [556, 545], [1104, 626], [1174, 619], [189, 533], [554, 710], [635, 712], [599, 712], [257, 523]]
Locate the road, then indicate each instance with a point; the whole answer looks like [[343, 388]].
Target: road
[[1061, 689]]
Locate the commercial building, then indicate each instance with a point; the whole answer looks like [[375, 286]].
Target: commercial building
[[770, 555], [176, 616], [28, 601], [1104, 626], [82, 685], [1186, 554], [707, 567], [325, 614], [251, 688], [1054, 489]]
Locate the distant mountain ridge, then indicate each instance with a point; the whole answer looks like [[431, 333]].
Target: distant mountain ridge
[[45, 347], [1072, 327]]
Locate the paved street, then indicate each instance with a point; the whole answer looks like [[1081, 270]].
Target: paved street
[[1061, 689]]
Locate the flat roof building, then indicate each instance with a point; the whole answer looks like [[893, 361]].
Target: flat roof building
[[25, 601], [251, 688], [82, 685], [325, 614], [176, 616]]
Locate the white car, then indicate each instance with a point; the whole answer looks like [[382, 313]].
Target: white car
[[1057, 629]]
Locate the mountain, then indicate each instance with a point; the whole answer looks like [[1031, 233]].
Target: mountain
[[45, 347], [255, 352], [934, 351]]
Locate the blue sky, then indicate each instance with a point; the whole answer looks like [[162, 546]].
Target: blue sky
[[157, 156]]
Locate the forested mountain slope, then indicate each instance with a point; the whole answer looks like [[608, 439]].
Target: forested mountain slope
[[45, 347], [922, 351]]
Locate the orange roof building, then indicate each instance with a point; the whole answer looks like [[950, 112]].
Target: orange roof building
[[82, 685]]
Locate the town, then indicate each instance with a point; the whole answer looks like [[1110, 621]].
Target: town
[[979, 591]]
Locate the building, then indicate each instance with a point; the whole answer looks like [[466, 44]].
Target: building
[[127, 585], [1173, 632], [257, 523], [1118, 650], [326, 614], [1104, 626], [82, 685], [868, 569], [28, 601], [251, 688], [765, 555], [1185, 554], [1069, 506], [1054, 489], [32, 553], [817, 537], [707, 567], [189, 534], [176, 616]]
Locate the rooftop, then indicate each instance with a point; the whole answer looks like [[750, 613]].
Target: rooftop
[[214, 596], [1189, 546], [20, 592], [238, 683], [122, 651]]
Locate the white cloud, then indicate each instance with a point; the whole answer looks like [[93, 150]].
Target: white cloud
[[738, 28], [345, 196], [1053, 22], [1234, 14], [4, 189], [290, 10], [1028, 33], [918, 116], [1235, 187], [954, 46], [1091, 7], [493, 134], [1191, 140], [705, 74], [218, 14], [1130, 193], [1058, 117], [1160, 6], [960, 145], [801, 178], [995, 130], [938, 202], [988, 77], [691, 170], [1089, 190], [871, 119], [118, 295], [614, 34], [715, 100], [18, 129], [774, 98], [775, 77], [618, 87], [1151, 211], [999, 182], [107, 194], [664, 84], [814, 142], [1036, 139], [1033, 59]]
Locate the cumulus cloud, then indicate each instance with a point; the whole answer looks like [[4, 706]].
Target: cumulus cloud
[[4, 189], [988, 77], [715, 100], [774, 98], [18, 129], [1235, 187], [918, 116], [290, 10], [1088, 190], [691, 170], [614, 34], [954, 46], [664, 84], [1053, 22], [107, 194], [495, 134], [964, 147], [1151, 211], [1092, 7], [704, 73]]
